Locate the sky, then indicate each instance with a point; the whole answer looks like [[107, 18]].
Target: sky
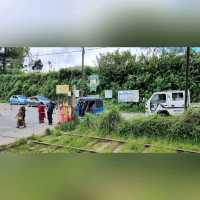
[[64, 57], [61, 57]]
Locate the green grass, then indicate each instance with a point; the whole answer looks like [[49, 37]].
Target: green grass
[[3, 101]]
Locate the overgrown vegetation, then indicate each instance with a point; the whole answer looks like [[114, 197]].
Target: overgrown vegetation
[[117, 71], [41, 83], [185, 127], [68, 126]]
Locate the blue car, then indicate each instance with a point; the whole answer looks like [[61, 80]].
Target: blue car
[[18, 100], [89, 105]]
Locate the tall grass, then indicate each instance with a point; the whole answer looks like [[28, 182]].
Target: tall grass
[[185, 127]]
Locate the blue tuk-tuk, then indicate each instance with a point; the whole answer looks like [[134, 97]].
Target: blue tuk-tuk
[[89, 105]]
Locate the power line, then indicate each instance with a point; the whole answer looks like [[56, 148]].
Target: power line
[[67, 52]]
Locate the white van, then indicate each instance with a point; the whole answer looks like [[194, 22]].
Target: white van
[[167, 102]]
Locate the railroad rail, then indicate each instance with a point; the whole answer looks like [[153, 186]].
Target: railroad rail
[[117, 143], [62, 146], [97, 138]]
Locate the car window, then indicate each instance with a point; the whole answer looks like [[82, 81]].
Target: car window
[[22, 97], [158, 98], [178, 96], [42, 98], [99, 104]]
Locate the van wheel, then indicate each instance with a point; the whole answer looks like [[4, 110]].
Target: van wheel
[[163, 113]]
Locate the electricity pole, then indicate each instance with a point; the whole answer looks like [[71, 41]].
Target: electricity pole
[[4, 59], [187, 76], [83, 75]]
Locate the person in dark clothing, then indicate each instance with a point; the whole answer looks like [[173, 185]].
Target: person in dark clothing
[[50, 108], [23, 110], [20, 118]]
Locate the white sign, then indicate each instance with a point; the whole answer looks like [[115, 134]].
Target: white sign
[[108, 94], [76, 93], [128, 96], [69, 94]]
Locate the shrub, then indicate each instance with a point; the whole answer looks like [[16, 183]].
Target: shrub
[[148, 126], [68, 126], [90, 121], [110, 120], [192, 116], [182, 127]]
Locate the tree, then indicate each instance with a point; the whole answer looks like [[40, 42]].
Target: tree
[[12, 58], [38, 65]]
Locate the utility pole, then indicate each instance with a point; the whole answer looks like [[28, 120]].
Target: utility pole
[[4, 59], [187, 76], [83, 74]]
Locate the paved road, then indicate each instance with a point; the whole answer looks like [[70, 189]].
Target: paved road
[[8, 131]]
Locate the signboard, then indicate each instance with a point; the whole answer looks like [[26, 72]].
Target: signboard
[[94, 82], [94, 96], [76, 93], [108, 94], [128, 96], [62, 89], [69, 94]]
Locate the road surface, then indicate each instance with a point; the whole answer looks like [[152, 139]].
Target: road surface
[[8, 131]]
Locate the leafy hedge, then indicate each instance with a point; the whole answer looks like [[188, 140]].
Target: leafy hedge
[[41, 83], [180, 127]]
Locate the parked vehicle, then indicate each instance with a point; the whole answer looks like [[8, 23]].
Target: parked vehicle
[[36, 100], [167, 102], [89, 105], [18, 100]]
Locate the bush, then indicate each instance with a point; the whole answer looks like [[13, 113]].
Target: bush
[[173, 128], [192, 116], [110, 120], [68, 126], [148, 126], [90, 121]]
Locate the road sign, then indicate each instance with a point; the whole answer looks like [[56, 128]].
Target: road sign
[[128, 96], [108, 94], [62, 89], [94, 82], [76, 93]]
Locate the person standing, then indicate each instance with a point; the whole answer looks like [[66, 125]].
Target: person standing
[[41, 112], [50, 108], [19, 117], [23, 109]]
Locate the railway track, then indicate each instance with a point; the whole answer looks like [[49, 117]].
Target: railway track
[[58, 146], [100, 144], [114, 144]]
